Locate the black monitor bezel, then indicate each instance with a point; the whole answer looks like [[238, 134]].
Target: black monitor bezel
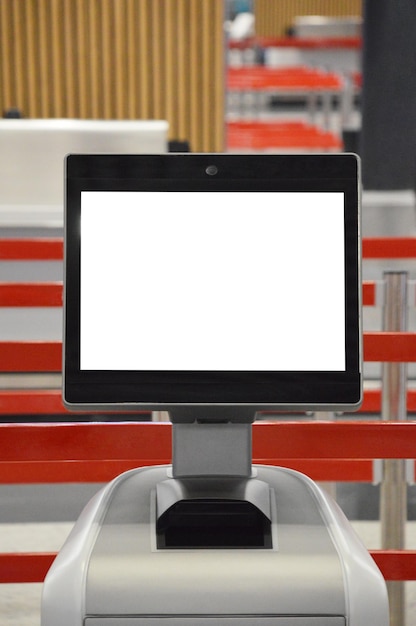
[[180, 390]]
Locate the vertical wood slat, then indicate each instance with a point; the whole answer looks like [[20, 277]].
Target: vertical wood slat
[[219, 88], [274, 16], [19, 48], [158, 57], [5, 51], [94, 61], [80, 33], [32, 56], [207, 84], [56, 59], [171, 79], [145, 60], [107, 52], [118, 59], [132, 62], [182, 68], [195, 75], [69, 66]]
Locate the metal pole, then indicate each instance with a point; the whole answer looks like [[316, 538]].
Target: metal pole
[[393, 496]]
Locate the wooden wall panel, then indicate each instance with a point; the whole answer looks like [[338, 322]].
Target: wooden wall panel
[[117, 59], [274, 16]]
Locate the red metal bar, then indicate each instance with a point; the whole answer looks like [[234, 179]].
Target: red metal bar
[[37, 472], [51, 249], [49, 402], [396, 564], [301, 78], [50, 294], [309, 42], [369, 293], [297, 42], [333, 440], [260, 134], [32, 402], [150, 442], [46, 356], [31, 294], [25, 567], [319, 141], [143, 442], [30, 356], [389, 248], [338, 470], [389, 347], [39, 249], [101, 471], [40, 402], [372, 401], [33, 567]]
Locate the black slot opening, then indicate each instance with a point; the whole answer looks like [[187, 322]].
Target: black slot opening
[[213, 523]]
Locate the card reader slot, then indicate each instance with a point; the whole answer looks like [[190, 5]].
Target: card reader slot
[[213, 523]]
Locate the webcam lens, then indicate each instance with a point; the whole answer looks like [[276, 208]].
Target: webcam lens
[[212, 170]]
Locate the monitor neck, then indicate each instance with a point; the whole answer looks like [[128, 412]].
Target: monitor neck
[[212, 449]]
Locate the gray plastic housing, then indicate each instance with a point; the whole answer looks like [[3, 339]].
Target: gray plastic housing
[[110, 571]]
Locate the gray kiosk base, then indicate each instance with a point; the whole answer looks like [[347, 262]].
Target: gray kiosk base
[[266, 550]]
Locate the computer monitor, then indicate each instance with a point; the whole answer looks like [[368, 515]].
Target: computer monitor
[[229, 283]]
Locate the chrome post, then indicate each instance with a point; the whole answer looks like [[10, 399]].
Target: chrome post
[[393, 496]]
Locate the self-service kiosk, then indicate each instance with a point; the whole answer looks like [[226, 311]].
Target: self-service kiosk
[[269, 548], [212, 539]]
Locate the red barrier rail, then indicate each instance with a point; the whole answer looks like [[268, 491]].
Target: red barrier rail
[[297, 42], [46, 356], [52, 249], [50, 294], [389, 248], [33, 567], [91, 452], [369, 293], [101, 471], [31, 402], [25, 567], [309, 42], [396, 564], [39, 249], [267, 135], [150, 442], [398, 347], [372, 401], [31, 294], [293, 79], [39, 402], [31, 356]]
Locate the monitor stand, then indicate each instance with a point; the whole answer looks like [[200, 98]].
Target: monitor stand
[[213, 540]]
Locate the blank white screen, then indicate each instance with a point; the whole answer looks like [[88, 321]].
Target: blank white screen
[[212, 281]]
